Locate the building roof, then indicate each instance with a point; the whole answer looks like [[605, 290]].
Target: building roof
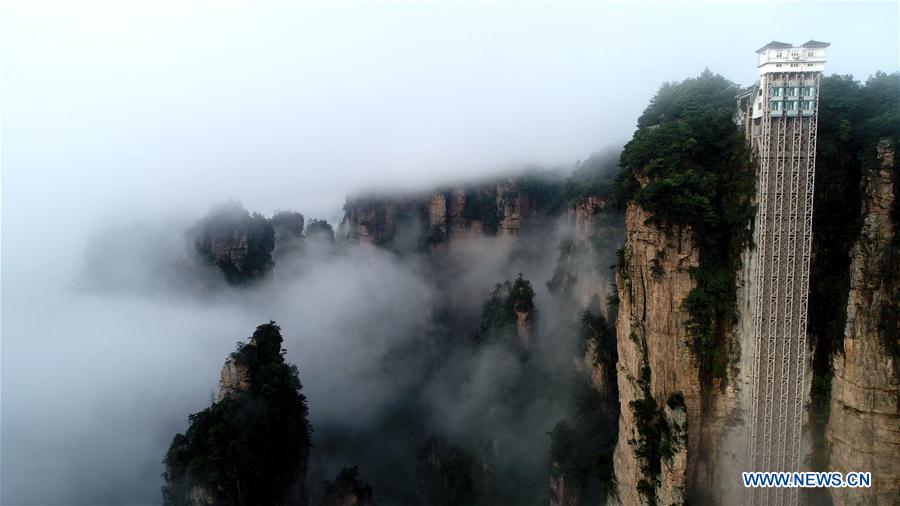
[[746, 92], [816, 43], [774, 45]]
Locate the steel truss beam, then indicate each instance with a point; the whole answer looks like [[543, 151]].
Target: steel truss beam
[[786, 148]]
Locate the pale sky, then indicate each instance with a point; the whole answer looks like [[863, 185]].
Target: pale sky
[[284, 105]]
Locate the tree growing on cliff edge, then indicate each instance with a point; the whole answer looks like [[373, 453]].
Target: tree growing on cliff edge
[[252, 446]]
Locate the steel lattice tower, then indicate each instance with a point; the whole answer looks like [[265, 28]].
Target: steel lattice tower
[[779, 116]]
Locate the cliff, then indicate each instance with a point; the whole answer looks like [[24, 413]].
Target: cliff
[[688, 176], [252, 445], [235, 242], [582, 272], [654, 360], [244, 247], [431, 220], [863, 429]]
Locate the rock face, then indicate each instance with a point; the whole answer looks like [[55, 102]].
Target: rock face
[[582, 272], [234, 378], [235, 242], [376, 221], [513, 207], [501, 208], [653, 280], [457, 223], [864, 423], [655, 364]]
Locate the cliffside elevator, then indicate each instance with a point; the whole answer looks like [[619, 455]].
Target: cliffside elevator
[[779, 117]]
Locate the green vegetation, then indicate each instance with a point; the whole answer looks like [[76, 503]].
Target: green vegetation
[[595, 176], [623, 263], [498, 315], [596, 333], [889, 315], [696, 171], [853, 119], [657, 438], [565, 452], [649, 422], [544, 191], [249, 447]]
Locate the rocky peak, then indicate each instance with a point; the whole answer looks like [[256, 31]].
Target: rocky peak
[[237, 243], [252, 444]]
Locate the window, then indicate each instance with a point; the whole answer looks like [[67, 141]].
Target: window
[[777, 64], [808, 91], [791, 106], [810, 53], [776, 92], [778, 55], [776, 106], [792, 92], [807, 105], [793, 64]]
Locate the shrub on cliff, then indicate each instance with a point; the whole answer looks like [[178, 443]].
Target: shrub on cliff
[[251, 447]]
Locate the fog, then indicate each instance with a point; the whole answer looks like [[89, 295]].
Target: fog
[[120, 125], [111, 362]]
